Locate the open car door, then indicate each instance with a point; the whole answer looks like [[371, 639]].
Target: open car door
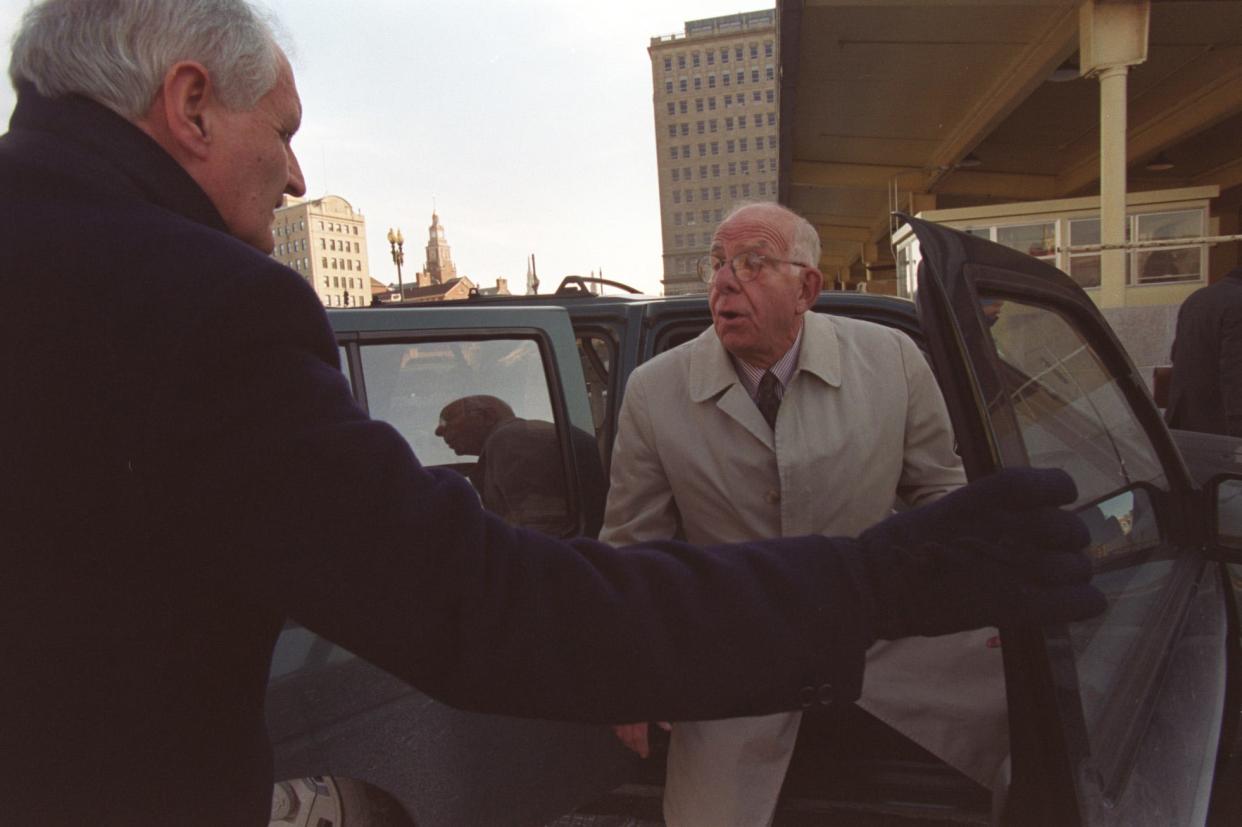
[[1113, 721]]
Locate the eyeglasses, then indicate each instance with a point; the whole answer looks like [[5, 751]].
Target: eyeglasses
[[745, 266]]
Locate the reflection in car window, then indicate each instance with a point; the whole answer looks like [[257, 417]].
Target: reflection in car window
[[1071, 413], [483, 409], [344, 357], [595, 351]]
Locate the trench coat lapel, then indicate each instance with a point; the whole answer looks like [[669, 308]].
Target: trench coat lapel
[[712, 376]]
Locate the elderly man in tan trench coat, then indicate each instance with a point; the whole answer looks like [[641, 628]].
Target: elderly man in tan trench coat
[[778, 422]]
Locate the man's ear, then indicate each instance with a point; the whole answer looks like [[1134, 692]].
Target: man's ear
[[180, 117], [812, 284]]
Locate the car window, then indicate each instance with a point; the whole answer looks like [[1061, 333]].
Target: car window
[[482, 408], [1069, 412], [343, 355], [596, 351]]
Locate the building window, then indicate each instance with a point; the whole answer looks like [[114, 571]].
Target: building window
[[699, 127], [668, 64], [715, 169], [676, 196], [715, 147], [728, 101], [698, 105], [737, 54], [711, 58], [711, 104], [682, 106], [762, 165], [681, 85], [672, 108], [745, 166], [763, 187], [325, 262], [672, 130], [724, 55], [705, 239], [711, 125], [676, 174], [681, 61], [1168, 264], [741, 77], [685, 151], [725, 79], [702, 171], [758, 120], [771, 96], [767, 48], [685, 130], [716, 193], [770, 73], [676, 219], [771, 142], [698, 83], [672, 152], [771, 119], [730, 146], [704, 193], [689, 196], [742, 146], [668, 87], [677, 240], [706, 216], [754, 51], [702, 150], [746, 190], [728, 124], [733, 191], [694, 59], [711, 81], [733, 167]]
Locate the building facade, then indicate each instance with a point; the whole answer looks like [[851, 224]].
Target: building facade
[[325, 239], [714, 91]]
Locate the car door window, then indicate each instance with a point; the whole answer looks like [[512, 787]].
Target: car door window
[[1069, 411], [482, 408]]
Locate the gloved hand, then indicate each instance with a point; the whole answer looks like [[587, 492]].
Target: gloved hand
[[998, 552]]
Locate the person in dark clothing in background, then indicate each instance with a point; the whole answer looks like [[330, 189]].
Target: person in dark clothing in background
[[178, 443], [1205, 389]]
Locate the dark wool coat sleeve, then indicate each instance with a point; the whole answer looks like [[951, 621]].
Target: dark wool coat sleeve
[[256, 443]]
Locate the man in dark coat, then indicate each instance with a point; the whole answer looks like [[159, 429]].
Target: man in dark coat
[[177, 442], [1205, 390]]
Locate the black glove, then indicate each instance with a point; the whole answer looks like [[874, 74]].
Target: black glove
[[998, 552]]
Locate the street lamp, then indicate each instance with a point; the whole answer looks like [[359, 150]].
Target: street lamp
[[397, 244]]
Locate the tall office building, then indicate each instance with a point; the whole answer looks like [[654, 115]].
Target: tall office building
[[325, 239], [714, 89]]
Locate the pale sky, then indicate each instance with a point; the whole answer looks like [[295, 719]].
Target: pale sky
[[529, 124]]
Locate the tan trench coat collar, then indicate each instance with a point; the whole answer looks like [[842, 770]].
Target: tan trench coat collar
[[712, 371]]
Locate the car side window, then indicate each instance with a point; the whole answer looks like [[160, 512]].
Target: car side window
[[596, 351], [1070, 412], [482, 408]]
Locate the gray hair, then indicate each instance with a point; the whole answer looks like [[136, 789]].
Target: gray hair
[[116, 52], [804, 246]]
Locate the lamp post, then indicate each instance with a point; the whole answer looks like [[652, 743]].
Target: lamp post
[[396, 242]]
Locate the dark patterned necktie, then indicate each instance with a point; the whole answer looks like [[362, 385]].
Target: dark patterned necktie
[[768, 400]]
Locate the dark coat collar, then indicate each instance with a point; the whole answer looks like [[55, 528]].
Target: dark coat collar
[[110, 150]]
